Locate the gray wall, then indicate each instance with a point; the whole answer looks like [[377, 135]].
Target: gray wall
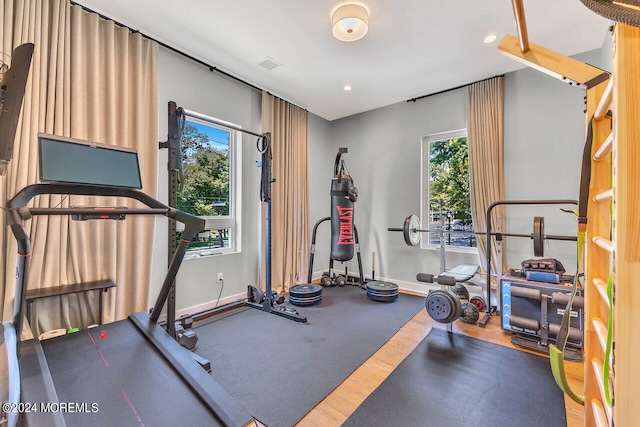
[[384, 160], [544, 139], [194, 87], [544, 136]]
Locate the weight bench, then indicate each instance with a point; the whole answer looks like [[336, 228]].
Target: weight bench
[[460, 274]]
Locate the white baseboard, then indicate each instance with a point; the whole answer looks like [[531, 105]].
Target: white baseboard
[[204, 306]]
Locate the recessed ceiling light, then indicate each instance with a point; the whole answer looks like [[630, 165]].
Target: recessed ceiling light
[[347, 87], [490, 38]]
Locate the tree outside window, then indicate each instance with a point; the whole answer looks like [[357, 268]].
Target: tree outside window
[[446, 184], [205, 187]]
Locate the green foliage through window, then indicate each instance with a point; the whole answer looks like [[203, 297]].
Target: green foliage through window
[[205, 183], [449, 191], [205, 163]]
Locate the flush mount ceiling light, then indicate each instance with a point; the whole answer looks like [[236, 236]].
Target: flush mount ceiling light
[[350, 22]]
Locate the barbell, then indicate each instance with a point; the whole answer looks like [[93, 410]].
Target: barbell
[[412, 228]]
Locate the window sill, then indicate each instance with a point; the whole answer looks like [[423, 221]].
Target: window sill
[[208, 253], [454, 249]]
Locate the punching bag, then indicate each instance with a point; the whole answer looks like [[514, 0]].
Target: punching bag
[[343, 196]]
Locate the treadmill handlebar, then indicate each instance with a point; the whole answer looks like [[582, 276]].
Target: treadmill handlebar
[[25, 195], [18, 210]]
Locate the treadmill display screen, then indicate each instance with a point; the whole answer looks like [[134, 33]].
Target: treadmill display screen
[[73, 161]]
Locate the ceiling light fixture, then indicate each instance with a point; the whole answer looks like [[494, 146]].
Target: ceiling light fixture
[[347, 87], [490, 38], [350, 22]]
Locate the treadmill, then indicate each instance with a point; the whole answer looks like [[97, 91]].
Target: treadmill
[[127, 373]]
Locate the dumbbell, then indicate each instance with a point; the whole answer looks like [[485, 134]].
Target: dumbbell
[[187, 339], [463, 294], [338, 280], [276, 298], [470, 311]]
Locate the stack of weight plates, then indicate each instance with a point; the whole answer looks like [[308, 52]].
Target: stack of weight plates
[[382, 291], [305, 294]]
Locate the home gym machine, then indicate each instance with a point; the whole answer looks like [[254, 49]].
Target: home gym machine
[[267, 300], [533, 301], [447, 306]]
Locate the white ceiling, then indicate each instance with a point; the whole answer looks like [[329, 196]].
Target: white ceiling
[[413, 48]]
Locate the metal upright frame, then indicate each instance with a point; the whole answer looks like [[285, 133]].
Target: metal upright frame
[[177, 115], [492, 309]]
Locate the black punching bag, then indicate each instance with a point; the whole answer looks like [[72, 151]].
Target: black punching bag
[[343, 195]]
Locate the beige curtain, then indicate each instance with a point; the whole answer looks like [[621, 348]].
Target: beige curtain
[[289, 127], [485, 128], [93, 80]]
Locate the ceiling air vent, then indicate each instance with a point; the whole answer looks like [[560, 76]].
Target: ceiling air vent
[[270, 63]]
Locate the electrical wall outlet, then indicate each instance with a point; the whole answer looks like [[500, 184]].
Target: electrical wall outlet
[[220, 277]]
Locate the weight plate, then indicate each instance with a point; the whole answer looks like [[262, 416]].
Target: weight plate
[[470, 313], [443, 306], [305, 294], [479, 302], [538, 236], [376, 285], [461, 290], [382, 298], [459, 309], [305, 301], [255, 294], [382, 291], [410, 230], [305, 290], [383, 294]]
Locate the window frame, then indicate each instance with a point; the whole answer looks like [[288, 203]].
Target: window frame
[[232, 221], [425, 196]]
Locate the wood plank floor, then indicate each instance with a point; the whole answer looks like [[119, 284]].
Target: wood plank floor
[[343, 401]]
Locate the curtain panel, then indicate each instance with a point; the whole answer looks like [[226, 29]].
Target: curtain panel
[[90, 79], [485, 129], [289, 127]]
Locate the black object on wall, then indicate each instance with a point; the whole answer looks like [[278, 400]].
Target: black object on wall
[[11, 94]]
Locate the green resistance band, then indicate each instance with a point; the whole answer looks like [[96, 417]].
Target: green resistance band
[[607, 353], [556, 353]]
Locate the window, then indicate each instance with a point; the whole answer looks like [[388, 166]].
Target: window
[[209, 184], [445, 190]]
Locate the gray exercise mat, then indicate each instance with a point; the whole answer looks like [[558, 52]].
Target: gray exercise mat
[[451, 380], [279, 369]]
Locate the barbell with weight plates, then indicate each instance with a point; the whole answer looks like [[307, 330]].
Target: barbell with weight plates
[[412, 228]]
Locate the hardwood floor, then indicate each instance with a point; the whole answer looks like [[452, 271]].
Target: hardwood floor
[[343, 401]]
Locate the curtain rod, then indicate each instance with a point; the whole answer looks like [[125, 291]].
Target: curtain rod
[[453, 88], [210, 119], [173, 49]]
